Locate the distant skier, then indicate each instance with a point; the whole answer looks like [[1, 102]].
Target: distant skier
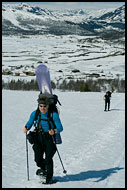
[[44, 138], [107, 98]]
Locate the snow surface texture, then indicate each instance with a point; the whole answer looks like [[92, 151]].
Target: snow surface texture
[[93, 148]]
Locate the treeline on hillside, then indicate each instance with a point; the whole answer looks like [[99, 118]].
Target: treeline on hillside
[[89, 85]]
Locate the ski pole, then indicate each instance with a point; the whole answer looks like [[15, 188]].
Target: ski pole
[[64, 171], [27, 157]]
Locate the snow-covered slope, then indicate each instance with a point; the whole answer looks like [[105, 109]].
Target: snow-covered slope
[[93, 148], [88, 55], [26, 19]]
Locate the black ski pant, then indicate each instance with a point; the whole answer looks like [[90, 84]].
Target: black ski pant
[[107, 103], [44, 145]]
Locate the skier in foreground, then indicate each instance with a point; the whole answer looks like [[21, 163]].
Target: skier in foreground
[[44, 138], [107, 98]]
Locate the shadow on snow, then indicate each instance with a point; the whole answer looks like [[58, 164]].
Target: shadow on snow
[[100, 175], [117, 109]]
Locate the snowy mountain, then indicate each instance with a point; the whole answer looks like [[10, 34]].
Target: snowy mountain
[[84, 54], [26, 19]]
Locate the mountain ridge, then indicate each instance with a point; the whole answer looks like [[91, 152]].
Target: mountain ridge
[[28, 20]]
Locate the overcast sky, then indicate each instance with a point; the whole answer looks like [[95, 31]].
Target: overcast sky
[[74, 5]]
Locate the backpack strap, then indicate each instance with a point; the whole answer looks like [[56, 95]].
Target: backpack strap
[[49, 118], [37, 116]]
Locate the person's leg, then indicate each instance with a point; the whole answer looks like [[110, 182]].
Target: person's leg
[[49, 153], [105, 105], [108, 105], [38, 156]]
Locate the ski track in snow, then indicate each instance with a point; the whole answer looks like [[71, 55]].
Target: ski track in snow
[[93, 141]]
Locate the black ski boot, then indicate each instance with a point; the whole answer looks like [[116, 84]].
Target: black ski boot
[[50, 181], [41, 172]]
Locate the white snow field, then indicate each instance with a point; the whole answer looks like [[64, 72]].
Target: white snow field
[[93, 148], [62, 53]]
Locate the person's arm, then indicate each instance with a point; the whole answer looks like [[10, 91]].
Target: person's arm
[[57, 122], [30, 122]]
